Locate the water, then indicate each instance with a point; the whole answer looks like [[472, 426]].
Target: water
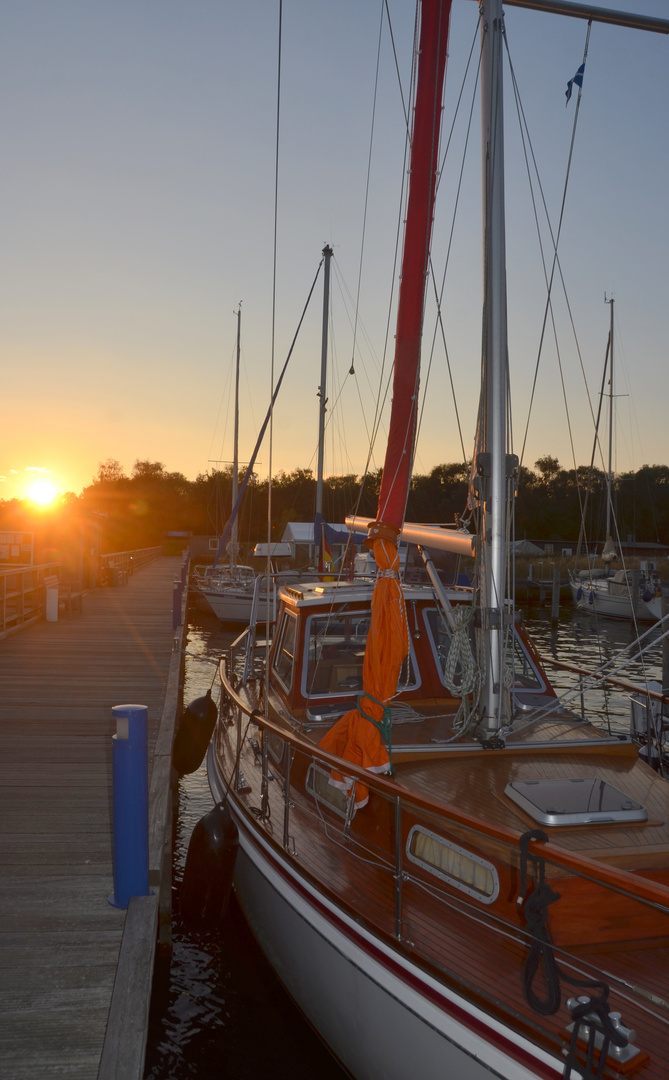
[[581, 639], [218, 1010]]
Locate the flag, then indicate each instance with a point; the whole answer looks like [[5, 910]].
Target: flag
[[328, 561], [578, 79]]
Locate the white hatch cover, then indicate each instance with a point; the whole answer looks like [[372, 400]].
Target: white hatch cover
[[586, 801]]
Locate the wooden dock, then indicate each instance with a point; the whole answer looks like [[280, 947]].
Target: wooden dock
[[60, 939]]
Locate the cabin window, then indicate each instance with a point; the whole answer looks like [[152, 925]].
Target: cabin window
[[524, 673], [318, 784], [335, 652], [462, 869], [284, 657], [275, 746]]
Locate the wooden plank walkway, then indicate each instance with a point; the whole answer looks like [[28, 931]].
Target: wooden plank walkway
[[59, 937]]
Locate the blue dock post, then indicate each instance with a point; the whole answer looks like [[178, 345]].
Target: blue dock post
[[130, 758]]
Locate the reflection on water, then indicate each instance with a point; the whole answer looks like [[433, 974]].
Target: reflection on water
[[591, 643], [218, 1010]]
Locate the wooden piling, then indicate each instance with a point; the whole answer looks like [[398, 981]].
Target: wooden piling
[[555, 595]]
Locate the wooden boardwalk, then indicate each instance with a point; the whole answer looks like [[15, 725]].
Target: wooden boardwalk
[[59, 937]]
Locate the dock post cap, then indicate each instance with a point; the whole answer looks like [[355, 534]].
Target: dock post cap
[[131, 723]]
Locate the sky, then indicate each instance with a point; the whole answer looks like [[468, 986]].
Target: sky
[[138, 210]]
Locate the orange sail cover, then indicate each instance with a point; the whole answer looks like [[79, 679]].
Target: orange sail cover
[[354, 737]]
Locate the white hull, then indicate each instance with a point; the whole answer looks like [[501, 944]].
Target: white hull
[[232, 605], [595, 597], [379, 1014]]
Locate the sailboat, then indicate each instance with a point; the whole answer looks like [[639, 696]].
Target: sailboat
[[452, 871], [232, 590], [624, 593]]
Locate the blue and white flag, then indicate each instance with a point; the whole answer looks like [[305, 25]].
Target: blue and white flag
[[578, 79]]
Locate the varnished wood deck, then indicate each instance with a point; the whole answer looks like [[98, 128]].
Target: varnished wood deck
[[59, 937], [482, 951]]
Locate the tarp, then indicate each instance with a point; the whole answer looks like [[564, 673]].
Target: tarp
[[336, 534]]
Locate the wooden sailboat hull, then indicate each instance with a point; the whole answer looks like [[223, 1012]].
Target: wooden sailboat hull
[[381, 1015]]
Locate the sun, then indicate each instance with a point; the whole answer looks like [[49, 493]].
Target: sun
[[42, 492]]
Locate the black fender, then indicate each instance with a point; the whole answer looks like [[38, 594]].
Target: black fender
[[196, 727], [210, 864]]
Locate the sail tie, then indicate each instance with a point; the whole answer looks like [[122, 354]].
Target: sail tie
[[383, 726]]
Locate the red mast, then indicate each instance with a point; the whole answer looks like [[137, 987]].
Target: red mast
[[424, 162], [354, 737]]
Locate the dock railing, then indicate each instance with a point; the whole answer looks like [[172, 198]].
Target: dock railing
[[126, 562], [22, 595], [22, 588]]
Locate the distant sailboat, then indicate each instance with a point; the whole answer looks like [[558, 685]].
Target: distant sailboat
[[625, 593], [229, 588]]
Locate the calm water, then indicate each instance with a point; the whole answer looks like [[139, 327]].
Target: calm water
[[218, 1010]]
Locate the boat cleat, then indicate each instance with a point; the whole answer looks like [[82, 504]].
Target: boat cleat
[[621, 1054]]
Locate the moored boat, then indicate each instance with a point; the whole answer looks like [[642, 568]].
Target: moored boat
[[452, 871]]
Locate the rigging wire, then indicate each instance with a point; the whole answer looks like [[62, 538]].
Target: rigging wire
[[557, 268], [382, 394], [367, 183], [438, 294], [555, 238]]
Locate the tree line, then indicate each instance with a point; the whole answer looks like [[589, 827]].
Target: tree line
[[137, 510]]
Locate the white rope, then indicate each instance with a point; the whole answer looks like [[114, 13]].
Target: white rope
[[460, 653]]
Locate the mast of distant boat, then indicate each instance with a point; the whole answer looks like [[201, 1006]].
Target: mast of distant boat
[[322, 395], [235, 451], [608, 543]]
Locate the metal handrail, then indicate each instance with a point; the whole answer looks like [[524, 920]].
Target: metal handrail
[[129, 560], [643, 889]]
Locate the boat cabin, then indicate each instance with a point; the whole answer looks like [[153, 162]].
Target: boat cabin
[[317, 656]]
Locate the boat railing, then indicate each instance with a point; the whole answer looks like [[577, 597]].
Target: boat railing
[[646, 891], [602, 677], [648, 695], [470, 866]]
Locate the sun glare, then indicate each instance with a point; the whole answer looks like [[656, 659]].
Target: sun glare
[[42, 492]]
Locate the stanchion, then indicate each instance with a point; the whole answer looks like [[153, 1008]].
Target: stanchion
[[131, 804]]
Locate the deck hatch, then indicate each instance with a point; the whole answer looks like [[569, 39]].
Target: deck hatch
[[583, 801], [460, 868]]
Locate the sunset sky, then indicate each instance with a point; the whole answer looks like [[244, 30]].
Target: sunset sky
[[138, 211]]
